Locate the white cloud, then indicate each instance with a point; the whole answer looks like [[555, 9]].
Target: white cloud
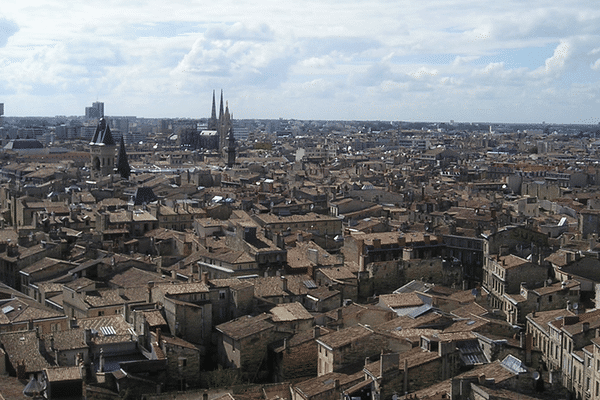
[[308, 59]]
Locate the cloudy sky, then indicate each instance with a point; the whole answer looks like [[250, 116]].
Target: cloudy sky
[[418, 60]]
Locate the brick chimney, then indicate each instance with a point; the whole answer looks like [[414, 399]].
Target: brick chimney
[[150, 286], [316, 332]]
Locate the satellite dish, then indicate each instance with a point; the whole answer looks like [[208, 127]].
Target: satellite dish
[[575, 306], [535, 375]]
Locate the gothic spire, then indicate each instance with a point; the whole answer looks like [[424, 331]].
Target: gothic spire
[[212, 122], [123, 167], [213, 115], [221, 108]]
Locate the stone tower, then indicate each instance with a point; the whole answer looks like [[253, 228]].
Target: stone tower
[[102, 151], [230, 148]]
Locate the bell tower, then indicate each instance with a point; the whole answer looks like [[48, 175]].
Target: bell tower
[[102, 151]]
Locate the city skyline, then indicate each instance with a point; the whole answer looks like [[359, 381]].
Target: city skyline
[[425, 61]]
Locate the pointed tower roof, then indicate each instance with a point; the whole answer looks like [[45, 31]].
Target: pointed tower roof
[[221, 107], [102, 136], [213, 115], [123, 167]]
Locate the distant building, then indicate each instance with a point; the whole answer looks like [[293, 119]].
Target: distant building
[[95, 111]]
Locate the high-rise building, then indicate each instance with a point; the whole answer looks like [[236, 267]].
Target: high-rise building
[[95, 111]]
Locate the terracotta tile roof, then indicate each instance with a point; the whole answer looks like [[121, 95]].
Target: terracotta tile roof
[[183, 288], [24, 309], [398, 300], [290, 312], [61, 374], [66, 340], [542, 318], [123, 330], [23, 347], [136, 277], [272, 286], [557, 287], [245, 326], [315, 386], [345, 336], [468, 310], [112, 297], [337, 273], [512, 261], [154, 318]]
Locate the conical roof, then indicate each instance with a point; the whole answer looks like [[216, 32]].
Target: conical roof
[[102, 136]]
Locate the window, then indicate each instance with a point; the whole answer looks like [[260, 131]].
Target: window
[[183, 362], [549, 299], [221, 294]]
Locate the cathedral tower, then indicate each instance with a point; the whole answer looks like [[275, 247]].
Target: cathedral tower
[[102, 151]]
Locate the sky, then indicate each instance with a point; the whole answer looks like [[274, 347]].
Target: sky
[[397, 60]]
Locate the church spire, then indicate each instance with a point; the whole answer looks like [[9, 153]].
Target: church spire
[[221, 107], [123, 167], [213, 115], [212, 122]]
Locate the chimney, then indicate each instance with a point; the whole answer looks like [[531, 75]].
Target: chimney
[[316, 332], [336, 384], [522, 340], [311, 271], [401, 241], [569, 256], [101, 366], [284, 284], [150, 286], [585, 326], [481, 379], [405, 375], [426, 239], [361, 263], [205, 278], [377, 243]]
